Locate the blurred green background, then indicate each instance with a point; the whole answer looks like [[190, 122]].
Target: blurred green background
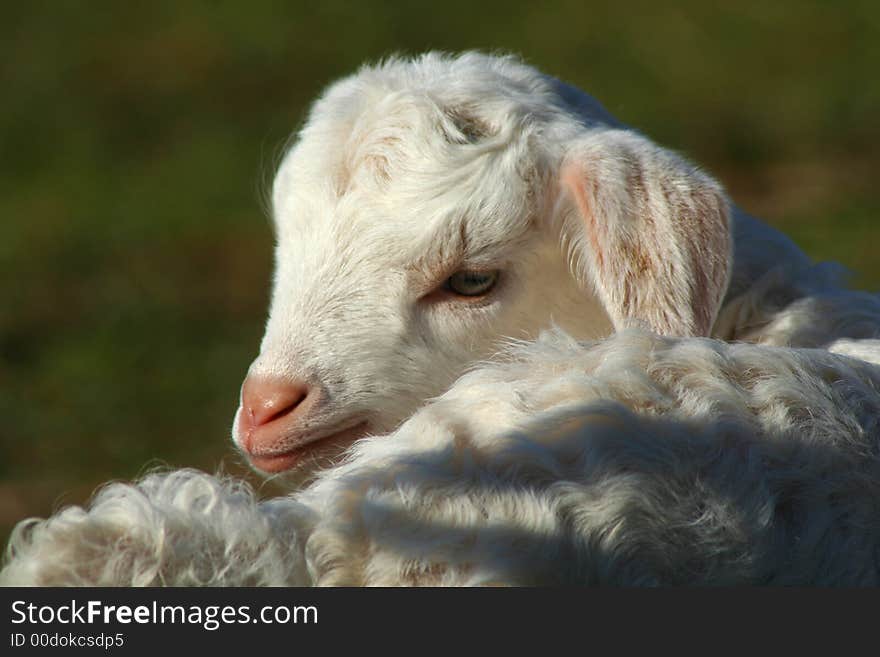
[[135, 255]]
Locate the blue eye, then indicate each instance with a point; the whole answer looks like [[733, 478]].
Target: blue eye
[[471, 283]]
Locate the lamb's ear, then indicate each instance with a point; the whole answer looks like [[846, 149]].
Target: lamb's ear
[[650, 232]]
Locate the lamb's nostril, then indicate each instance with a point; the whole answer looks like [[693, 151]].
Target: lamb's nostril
[[265, 400], [269, 414]]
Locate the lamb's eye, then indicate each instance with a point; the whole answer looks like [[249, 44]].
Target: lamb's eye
[[471, 283]]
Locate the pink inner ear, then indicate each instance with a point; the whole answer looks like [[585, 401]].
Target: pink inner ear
[[658, 260], [617, 280], [574, 180]]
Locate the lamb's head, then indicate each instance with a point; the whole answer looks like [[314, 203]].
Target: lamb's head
[[431, 209]]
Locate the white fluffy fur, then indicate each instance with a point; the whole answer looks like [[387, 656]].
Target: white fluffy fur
[[636, 460], [641, 459]]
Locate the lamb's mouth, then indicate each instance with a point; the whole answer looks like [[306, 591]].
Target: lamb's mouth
[[327, 446]]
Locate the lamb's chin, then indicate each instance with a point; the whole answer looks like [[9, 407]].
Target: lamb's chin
[[315, 454]]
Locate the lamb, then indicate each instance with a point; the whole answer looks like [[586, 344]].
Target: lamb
[[434, 210], [431, 208]]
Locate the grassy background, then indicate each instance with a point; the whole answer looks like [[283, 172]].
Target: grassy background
[[134, 254]]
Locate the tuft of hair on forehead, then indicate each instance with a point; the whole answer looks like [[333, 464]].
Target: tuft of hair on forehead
[[464, 125], [392, 116], [407, 132]]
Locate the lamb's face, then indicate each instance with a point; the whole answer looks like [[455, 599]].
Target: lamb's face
[[433, 209], [407, 250]]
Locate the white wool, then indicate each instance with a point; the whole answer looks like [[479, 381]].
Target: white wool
[[622, 447], [636, 460], [868, 350], [180, 528]]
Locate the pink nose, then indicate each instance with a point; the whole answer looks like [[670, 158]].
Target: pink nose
[[270, 407]]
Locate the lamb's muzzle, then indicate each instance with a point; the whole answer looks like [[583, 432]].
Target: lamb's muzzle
[[272, 424]]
